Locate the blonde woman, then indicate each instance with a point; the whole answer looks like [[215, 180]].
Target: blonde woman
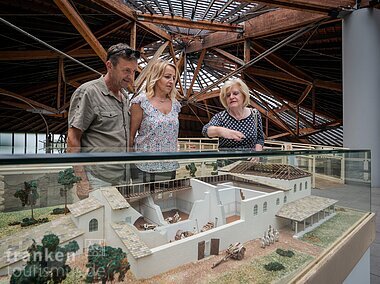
[[238, 127], [154, 117]]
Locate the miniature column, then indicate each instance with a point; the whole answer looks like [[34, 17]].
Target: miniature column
[[361, 84]]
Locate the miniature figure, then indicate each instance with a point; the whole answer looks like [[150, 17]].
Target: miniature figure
[[276, 235], [174, 219], [208, 226], [147, 226], [182, 234]]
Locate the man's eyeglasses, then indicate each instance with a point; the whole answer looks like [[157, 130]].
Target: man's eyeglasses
[[128, 52]]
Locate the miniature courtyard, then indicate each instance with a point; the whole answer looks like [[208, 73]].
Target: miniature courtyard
[[251, 268]]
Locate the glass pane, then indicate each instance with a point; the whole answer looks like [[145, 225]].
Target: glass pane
[[302, 201]]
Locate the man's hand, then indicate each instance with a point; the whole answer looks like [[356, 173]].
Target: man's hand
[[83, 186]]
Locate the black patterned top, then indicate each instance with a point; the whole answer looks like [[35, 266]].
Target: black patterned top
[[250, 126]]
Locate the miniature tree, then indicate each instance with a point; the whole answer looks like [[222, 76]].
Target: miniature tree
[[192, 169], [46, 263], [105, 262], [28, 195], [67, 179], [214, 168]]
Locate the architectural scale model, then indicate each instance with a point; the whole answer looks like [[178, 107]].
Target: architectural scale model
[[190, 217]]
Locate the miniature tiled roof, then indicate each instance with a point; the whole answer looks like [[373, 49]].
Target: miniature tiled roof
[[114, 198], [131, 240], [14, 248], [304, 208], [84, 206], [279, 171]]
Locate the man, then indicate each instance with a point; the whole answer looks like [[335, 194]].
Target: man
[[98, 118]]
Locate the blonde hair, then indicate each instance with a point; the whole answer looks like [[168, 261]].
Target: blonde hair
[[243, 88], [156, 73]]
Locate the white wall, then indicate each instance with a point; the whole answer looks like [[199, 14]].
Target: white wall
[[151, 211], [260, 222], [249, 227], [83, 223], [185, 250], [299, 193]]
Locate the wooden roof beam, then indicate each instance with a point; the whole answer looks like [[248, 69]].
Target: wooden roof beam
[[271, 116], [264, 25], [71, 81], [278, 135], [188, 23], [103, 32], [208, 95], [196, 72], [82, 27], [42, 54], [280, 75], [304, 132], [208, 9], [172, 53], [190, 117], [124, 11], [262, 88], [35, 104], [324, 7], [282, 64]]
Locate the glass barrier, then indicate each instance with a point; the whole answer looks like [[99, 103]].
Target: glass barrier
[[177, 215]]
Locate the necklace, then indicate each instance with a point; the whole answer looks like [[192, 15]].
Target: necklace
[[163, 100]]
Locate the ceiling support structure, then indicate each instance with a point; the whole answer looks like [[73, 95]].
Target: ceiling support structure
[[81, 27], [263, 55], [188, 23]]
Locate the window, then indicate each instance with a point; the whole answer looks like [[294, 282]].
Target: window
[[285, 199], [278, 201], [300, 186], [265, 207], [255, 209], [93, 225], [305, 184], [295, 188]]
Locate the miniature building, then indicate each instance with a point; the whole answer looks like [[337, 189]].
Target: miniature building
[[245, 200]]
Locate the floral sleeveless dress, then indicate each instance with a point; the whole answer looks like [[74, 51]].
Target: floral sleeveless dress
[[158, 133]]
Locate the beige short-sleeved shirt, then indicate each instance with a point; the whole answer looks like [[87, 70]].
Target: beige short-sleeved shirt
[[103, 119]]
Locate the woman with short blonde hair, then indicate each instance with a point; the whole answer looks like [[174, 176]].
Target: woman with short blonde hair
[[242, 87], [238, 127]]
